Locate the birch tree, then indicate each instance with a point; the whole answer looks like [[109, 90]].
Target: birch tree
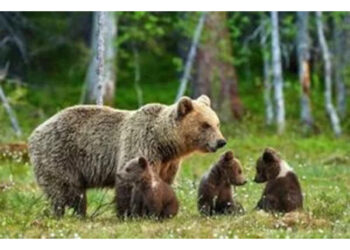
[[264, 33], [303, 54], [334, 119], [277, 74], [6, 104], [191, 56], [101, 76], [100, 57]]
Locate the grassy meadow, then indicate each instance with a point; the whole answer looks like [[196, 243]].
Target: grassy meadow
[[322, 164]]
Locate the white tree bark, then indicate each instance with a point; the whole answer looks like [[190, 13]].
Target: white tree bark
[[191, 56], [104, 44], [304, 70], [100, 57], [7, 106], [327, 76], [267, 76], [277, 74]]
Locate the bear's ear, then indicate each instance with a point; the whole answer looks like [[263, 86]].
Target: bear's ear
[[270, 155], [184, 106], [228, 156], [204, 99], [143, 162]]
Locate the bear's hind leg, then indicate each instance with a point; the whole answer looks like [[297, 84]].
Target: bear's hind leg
[[79, 203], [123, 200], [56, 195], [170, 210], [206, 205], [58, 208], [224, 203], [68, 195]]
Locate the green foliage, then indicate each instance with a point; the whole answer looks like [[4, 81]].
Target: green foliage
[[145, 33]]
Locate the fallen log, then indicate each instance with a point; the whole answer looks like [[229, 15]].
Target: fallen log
[[17, 151]]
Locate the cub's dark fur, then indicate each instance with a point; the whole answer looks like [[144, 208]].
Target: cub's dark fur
[[151, 196], [215, 192], [282, 192]]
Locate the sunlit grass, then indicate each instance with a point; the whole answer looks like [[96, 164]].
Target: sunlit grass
[[322, 164]]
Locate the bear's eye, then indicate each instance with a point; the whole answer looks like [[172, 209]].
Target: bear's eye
[[127, 170], [239, 171], [206, 125]]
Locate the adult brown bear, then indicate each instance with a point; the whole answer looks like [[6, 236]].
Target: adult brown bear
[[84, 147]]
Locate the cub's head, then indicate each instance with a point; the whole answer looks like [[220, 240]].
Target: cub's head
[[198, 125], [232, 168], [135, 170], [267, 166]]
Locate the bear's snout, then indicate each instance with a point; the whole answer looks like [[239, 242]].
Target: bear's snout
[[240, 181], [215, 145], [220, 143], [258, 179], [244, 181]]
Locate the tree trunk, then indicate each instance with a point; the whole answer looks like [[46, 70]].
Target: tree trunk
[[191, 56], [108, 56], [346, 56], [201, 83], [327, 75], [267, 75], [6, 104], [137, 86], [216, 75], [277, 74], [304, 68], [100, 57], [339, 36]]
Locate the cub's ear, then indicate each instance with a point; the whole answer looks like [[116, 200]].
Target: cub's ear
[[184, 107], [228, 156], [270, 155], [143, 162], [204, 99]]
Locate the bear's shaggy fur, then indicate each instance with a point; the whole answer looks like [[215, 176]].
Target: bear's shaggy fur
[[151, 196], [215, 192], [85, 146], [282, 192]]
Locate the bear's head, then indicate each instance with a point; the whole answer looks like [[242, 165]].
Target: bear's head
[[198, 125], [232, 168], [267, 166], [135, 170]]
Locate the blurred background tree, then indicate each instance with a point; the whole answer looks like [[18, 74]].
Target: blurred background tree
[[109, 36], [50, 57]]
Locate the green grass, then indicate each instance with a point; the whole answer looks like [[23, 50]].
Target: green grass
[[321, 162]]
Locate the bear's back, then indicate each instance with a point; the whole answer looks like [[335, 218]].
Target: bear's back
[[79, 118], [80, 138]]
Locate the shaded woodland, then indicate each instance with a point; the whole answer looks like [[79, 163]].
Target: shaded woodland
[[276, 69]]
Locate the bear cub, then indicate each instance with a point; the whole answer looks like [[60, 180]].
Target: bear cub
[[215, 192], [151, 196], [282, 192]]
